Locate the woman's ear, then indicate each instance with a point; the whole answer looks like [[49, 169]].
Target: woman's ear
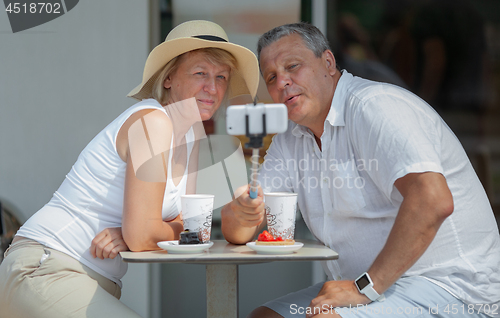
[[167, 83]]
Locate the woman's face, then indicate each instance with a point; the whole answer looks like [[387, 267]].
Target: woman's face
[[199, 78]]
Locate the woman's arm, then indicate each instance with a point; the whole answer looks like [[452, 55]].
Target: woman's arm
[[142, 223]]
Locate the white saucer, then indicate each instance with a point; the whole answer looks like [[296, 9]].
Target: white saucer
[[175, 248], [275, 249]]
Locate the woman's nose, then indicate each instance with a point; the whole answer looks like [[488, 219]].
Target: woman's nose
[[210, 86]]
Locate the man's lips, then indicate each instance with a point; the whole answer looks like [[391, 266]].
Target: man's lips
[[291, 99]]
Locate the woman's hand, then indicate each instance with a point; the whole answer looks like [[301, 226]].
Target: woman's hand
[[108, 243]]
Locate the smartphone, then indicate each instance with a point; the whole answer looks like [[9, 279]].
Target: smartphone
[[276, 119]]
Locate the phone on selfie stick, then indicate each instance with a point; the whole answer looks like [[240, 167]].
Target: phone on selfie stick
[[256, 121]]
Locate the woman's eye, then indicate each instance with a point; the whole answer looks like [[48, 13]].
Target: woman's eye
[[199, 73], [222, 77]]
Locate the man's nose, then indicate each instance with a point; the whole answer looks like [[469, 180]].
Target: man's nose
[[283, 81]]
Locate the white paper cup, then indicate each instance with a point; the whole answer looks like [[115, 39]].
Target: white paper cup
[[280, 213], [197, 210]]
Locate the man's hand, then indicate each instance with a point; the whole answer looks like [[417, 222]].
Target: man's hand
[[108, 243], [247, 211], [337, 294], [243, 217]]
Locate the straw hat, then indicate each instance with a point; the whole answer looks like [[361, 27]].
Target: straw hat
[[194, 35]]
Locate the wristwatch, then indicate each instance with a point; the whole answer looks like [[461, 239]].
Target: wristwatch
[[364, 284]]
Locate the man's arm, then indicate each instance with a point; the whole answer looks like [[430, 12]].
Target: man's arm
[[427, 203], [243, 217]]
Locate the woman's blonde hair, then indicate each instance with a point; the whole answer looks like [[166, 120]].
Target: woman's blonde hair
[[213, 55]]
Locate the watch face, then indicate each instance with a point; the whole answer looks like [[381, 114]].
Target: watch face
[[362, 282]]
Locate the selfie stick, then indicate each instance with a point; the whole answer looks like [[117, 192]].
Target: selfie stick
[[255, 143]]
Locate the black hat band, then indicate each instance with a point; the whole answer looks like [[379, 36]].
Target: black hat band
[[210, 38]]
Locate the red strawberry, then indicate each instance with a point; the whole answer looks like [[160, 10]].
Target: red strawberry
[[265, 237]]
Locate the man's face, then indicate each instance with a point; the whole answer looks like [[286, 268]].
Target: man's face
[[296, 77]]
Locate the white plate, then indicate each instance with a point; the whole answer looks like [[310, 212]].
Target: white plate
[[175, 248], [275, 249]]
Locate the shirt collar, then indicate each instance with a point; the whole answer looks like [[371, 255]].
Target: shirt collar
[[335, 116], [299, 130]]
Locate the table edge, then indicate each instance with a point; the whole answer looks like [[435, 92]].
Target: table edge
[[258, 258]]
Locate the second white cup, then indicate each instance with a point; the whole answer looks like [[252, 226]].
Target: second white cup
[[281, 208]]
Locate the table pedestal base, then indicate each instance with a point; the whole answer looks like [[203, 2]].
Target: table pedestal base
[[222, 291]]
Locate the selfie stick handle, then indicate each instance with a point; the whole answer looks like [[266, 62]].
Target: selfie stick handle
[[256, 141], [255, 169]]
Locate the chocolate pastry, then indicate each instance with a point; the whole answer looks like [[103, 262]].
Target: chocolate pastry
[[189, 237]]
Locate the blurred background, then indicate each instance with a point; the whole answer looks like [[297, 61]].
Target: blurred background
[[65, 80]]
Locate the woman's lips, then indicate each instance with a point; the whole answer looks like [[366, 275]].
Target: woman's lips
[[206, 101]]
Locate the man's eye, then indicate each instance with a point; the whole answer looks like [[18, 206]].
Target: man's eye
[[270, 79], [292, 66], [199, 73]]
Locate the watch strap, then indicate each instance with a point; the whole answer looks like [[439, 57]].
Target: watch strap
[[371, 293]]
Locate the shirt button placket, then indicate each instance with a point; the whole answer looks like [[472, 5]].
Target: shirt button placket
[[325, 194]]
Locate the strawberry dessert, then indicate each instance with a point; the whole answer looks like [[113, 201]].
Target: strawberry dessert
[[265, 238]]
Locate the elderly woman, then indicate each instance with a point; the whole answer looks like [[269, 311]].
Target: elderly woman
[[64, 261]]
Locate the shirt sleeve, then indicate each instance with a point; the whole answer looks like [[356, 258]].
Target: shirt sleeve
[[400, 133]]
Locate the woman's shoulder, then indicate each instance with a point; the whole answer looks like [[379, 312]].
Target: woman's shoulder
[[145, 104], [149, 112], [149, 123], [150, 118]]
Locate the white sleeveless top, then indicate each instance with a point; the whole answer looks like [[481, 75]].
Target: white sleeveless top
[[90, 199]]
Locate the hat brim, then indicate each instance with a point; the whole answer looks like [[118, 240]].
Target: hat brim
[[244, 80]]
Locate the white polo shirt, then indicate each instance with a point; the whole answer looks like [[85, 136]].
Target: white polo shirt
[[374, 134]]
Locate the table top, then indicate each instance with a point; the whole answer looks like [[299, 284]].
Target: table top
[[223, 252]]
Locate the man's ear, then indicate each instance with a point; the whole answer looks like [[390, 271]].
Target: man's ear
[[330, 62]]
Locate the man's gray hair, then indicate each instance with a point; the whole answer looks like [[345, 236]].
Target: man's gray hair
[[311, 35]]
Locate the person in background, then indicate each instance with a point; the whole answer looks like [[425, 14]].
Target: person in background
[[396, 195], [64, 261]]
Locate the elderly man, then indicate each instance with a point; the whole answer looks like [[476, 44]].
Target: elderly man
[[383, 181]]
